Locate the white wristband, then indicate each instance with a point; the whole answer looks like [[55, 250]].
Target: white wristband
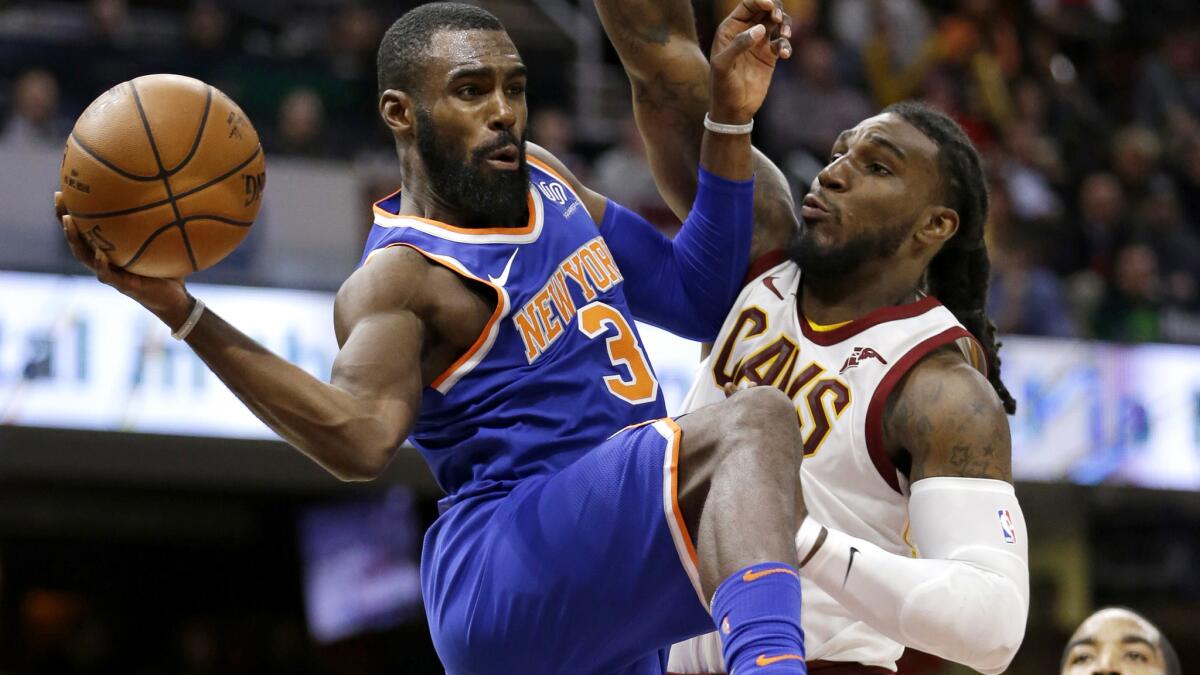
[[192, 320], [731, 129]]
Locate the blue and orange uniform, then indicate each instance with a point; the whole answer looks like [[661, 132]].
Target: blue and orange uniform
[[560, 546]]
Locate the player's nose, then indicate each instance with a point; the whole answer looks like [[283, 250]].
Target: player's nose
[[833, 176], [502, 114]]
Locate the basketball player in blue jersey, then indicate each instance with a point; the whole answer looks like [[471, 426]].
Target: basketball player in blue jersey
[[915, 536], [582, 532]]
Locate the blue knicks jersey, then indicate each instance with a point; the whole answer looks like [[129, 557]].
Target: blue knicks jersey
[[559, 366]]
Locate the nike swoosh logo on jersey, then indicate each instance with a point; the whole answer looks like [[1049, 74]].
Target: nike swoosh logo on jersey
[[849, 565], [769, 282], [503, 278], [751, 576], [763, 660]]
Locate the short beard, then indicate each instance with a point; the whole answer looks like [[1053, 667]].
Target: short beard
[[827, 264], [484, 196]]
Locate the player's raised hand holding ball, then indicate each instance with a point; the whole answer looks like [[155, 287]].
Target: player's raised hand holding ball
[[162, 176]]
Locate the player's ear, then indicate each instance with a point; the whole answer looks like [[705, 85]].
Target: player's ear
[[398, 111], [940, 223]]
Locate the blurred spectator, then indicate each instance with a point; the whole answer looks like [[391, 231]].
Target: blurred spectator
[[1135, 156], [35, 120], [207, 28], [1132, 308], [355, 37], [808, 111], [1168, 97], [858, 23], [1101, 226], [623, 175], [1159, 219], [1119, 641], [1031, 170], [1023, 297], [553, 129], [110, 23], [301, 126]]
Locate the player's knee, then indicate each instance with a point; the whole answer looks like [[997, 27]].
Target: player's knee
[[761, 410]]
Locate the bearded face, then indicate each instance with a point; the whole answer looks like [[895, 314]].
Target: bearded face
[[466, 179]]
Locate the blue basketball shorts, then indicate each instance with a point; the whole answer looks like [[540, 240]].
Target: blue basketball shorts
[[588, 571]]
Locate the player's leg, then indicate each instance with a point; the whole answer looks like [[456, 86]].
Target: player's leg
[[579, 572], [739, 492]]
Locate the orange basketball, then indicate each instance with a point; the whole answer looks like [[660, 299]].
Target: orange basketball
[[164, 173]]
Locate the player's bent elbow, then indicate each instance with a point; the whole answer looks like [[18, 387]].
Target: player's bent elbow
[[355, 453], [982, 629], [361, 469]]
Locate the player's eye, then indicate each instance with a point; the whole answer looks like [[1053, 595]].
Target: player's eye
[[835, 157], [1081, 658], [516, 89], [468, 91], [1137, 657], [879, 169]]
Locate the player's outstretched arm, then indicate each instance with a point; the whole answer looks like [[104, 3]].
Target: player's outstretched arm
[[967, 596], [352, 425], [656, 41], [687, 285], [657, 44]]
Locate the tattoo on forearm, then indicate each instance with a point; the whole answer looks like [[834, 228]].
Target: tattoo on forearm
[[683, 100], [634, 25]]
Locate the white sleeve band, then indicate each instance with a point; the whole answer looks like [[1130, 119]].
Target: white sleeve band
[[965, 599]]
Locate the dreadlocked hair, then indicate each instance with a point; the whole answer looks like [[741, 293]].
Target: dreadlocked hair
[[958, 274]]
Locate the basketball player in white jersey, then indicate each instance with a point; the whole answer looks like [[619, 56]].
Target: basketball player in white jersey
[[868, 313]]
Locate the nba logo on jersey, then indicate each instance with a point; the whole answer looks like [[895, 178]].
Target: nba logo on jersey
[[1006, 526]]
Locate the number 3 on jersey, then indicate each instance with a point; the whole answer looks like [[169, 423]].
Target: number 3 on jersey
[[623, 350]]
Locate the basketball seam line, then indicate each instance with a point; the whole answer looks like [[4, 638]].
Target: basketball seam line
[[199, 133], [146, 244], [154, 235], [181, 195], [162, 172], [113, 167]]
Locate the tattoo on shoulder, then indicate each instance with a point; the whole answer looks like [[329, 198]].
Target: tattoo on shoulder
[[949, 428]]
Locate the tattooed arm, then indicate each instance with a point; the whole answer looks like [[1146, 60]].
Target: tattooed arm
[[657, 43], [945, 420], [965, 594]]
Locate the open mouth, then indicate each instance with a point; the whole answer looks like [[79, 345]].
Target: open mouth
[[505, 158]]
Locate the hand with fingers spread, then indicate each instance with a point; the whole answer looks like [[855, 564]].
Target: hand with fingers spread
[[745, 49], [168, 299]]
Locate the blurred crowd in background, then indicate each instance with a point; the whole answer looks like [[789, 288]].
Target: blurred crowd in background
[[1087, 113]]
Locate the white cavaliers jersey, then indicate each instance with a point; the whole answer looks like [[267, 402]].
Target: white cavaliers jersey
[[840, 380]]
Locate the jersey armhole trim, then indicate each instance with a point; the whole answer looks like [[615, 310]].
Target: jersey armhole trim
[[483, 344], [879, 457], [973, 352]]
